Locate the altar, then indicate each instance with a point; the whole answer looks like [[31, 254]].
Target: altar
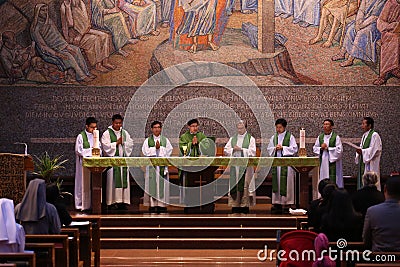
[[96, 165]]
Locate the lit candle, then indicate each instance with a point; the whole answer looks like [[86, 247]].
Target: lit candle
[[96, 139], [302, 138]]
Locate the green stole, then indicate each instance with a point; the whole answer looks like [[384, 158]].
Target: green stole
[[186, 139], [238, 185], [152, 170], [86, 143], [332, 165], [361, 164], [284, 169], [121, 180]]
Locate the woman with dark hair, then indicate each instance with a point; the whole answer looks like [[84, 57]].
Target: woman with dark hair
[[341, 220], [34, 213], [53, 197], [319, 206]]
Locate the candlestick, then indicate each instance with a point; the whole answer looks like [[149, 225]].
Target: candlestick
[[96, 139], [96, 147], [302, 138], [302, 149]]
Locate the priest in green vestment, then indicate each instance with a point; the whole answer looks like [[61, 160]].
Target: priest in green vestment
[[330, 150], [242, 191], [83, 148], [116, 142], [368, 156], [282, 144], [156, 193], [196, 144]]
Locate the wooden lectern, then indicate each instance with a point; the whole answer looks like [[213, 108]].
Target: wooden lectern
[[13, 168]]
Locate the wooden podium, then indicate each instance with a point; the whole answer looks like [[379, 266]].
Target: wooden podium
[[13, 168]]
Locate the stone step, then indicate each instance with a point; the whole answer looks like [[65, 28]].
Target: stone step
[[192, 232], [187, 243], [203, 220]]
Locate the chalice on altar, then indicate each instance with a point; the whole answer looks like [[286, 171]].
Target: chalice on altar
[[184, 148]]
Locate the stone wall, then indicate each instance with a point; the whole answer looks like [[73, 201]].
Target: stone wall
[[49, 118]]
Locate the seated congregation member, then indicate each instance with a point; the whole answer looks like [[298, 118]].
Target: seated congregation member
[[341, 220], [321, 246], [142, 17], [381, 225], [318, 206], [368, 195], [53, 48], [282, 144], [156, 193], [77, 30], [389, 25], [330, 150], [107, 16], [53, 197], [338, 11], [12, 234], [35, 214], [242, 191], [362, 34]]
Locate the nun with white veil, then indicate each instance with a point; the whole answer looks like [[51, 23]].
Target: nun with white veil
[[12, 234]]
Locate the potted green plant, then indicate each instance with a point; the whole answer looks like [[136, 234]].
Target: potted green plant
[[46, 167]]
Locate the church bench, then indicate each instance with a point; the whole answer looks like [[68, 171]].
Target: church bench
[[8, 265], [85, 241], [74, 244], [19, 259], [61, 246], [45, 253], [92, 238]]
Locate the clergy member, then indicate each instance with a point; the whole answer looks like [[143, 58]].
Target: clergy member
[[116, 142], [156, 193], [330, 150], [194, 144], [83, 148], [368, 156], [242, 192], [282, 144]]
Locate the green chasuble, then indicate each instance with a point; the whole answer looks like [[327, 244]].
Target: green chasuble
[[332, 165], [121, 180], [152, 170], [86, 143], [361, 164], [284, 169], [238, 185], [204, 145]]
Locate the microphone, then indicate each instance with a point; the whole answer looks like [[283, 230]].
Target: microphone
[[26, 147]]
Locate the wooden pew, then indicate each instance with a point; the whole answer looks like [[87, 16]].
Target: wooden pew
[[95, 221], [28, 258], [45, 253], [61, 246], [74, 244], [8, 265], [85, 241]]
